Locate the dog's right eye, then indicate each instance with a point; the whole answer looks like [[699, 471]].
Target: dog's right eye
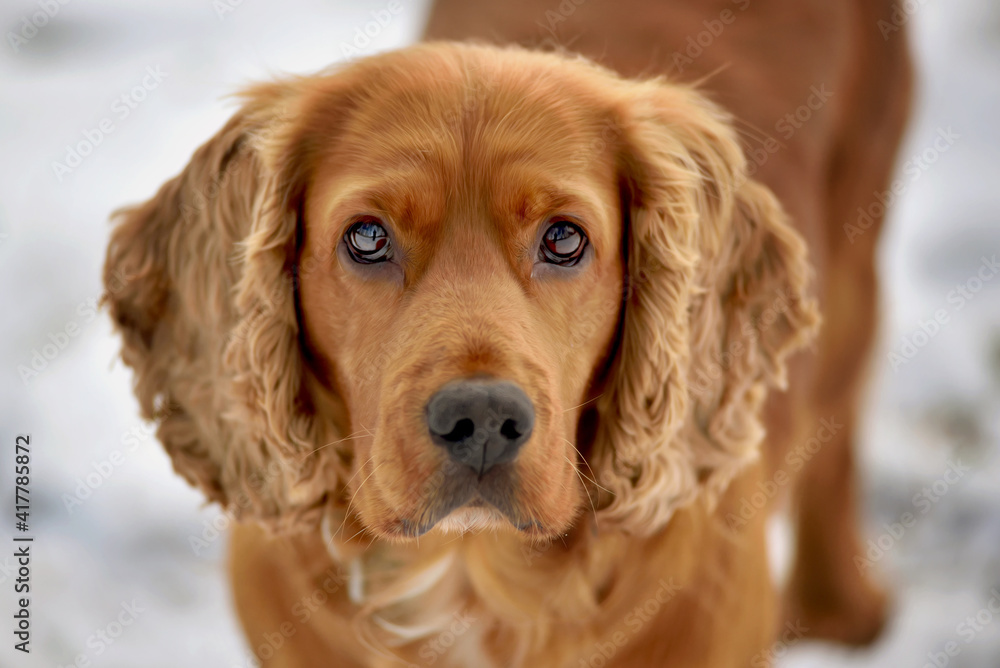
[[563, 243], [368, 241]]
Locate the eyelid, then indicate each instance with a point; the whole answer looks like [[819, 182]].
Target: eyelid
[[380, 218], [566, 217], [375, 217], [569, 218]]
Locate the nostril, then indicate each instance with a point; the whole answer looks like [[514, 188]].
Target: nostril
[[509, 430], [463, 429]]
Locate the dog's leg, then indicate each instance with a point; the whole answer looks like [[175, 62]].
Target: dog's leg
[[828, 592], [828, 595]]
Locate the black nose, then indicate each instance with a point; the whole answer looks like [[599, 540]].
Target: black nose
[[480, 423]]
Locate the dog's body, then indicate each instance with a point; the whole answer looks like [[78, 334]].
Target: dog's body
[[626, 526]]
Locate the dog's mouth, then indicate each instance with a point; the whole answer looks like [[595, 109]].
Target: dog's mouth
[[466, 501], [472, 517]]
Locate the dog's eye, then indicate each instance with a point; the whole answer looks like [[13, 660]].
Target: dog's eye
[[563, 244], [368, 241]]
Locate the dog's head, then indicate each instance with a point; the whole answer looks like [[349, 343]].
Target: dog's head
[[458, 286]]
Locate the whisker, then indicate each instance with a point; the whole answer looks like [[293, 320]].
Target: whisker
[[594, 482], [584, 403], [360, 531], [584, 460], [356, 434], [701, 81], [347, 512], [580, 475], [360, 469], [372, 542], [457, 537]]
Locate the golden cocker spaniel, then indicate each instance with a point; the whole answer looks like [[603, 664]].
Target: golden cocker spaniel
[[482, 337]]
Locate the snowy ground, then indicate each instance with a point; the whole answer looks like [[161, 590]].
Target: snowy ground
[[126, 542]]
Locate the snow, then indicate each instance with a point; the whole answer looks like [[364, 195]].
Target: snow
[[126, 542]]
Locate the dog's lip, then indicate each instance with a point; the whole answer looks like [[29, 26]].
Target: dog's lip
[[491, 494], [413, 529], [530, 527]]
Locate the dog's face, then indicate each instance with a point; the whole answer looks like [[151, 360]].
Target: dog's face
[[460, 287], [462, 295]]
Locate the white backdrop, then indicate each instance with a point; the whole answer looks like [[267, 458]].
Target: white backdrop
[[113, 521]]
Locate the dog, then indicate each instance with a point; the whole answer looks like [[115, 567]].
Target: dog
[[478, 343]]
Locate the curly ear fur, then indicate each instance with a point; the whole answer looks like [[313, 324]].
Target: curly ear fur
[[716, 299], [223, 375]]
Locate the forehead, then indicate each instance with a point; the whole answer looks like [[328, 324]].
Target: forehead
[[502, 136]]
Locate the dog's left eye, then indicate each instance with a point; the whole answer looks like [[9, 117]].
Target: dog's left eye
[[563, 244], [368, 241]]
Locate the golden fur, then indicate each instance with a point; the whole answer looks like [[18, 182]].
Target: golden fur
[[289, 385]]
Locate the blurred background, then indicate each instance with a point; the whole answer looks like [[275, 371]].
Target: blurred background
[[144, 83]]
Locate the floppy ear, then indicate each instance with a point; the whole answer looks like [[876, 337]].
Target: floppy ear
[[716, 299], [200, 282]]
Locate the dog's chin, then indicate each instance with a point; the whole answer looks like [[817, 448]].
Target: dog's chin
[[476, 516], [473, 518]]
